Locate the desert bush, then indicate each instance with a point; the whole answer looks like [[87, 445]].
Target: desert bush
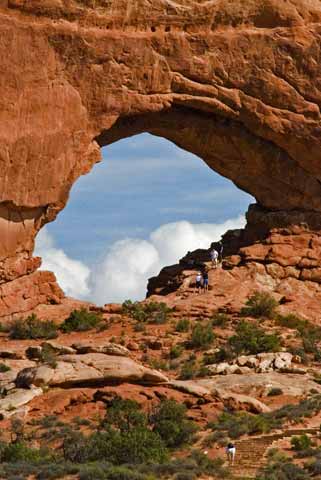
[[183, 325], [188, 370], [202, 336], [185, 476], [125, 473], [260, 304], [125, 435], [4, 368], [80, 321], [176, 351], [158, 364], [196, 464], [251, 339], [20, 452], [282, 470], [301, 442], [219, 319], [51, 471], [151, 312], [170, 422], [291, 320], [314, 467], [294, 413], [32, 328], [240, 423], [224, 354]]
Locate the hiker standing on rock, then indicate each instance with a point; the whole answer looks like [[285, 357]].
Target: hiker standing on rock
[[198, 283], [205, 281], [214, 257], [230, 452]]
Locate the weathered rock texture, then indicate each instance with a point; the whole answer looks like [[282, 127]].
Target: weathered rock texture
[[235, 82], [277, 251]]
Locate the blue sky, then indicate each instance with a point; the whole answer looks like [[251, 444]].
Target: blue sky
[[142, 183]]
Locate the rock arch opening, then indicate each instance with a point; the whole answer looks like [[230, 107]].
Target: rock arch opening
[[142, 208], [236, 83]]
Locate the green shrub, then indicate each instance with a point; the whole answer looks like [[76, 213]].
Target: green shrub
[[241, 423], [300, 443], [251, 339], [124, 473], [260, 304], [80, 321], [4, 368], [151, 312], [183, 325], [237, 424], [291, 321], [220, 319], [202, 336], [32, 328], [188, 370], [196, 465], [282, 470], [20, 452], [175, 351], [314, 468], [171, 424], [224, 354], [124, 436]]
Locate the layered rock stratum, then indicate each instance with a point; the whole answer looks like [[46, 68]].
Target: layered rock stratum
[[235, 82]]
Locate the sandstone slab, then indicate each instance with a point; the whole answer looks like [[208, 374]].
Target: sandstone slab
[[89, 370]]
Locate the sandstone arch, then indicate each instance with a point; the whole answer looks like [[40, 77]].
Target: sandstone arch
[[237, 82]]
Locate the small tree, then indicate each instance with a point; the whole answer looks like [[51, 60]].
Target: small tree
[[171, 424], [300, 443], [260, 304], [202, 336], [251, 339], [80, 321]]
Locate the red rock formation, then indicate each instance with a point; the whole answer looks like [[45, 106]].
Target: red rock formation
[[236, 83], [278, 252]]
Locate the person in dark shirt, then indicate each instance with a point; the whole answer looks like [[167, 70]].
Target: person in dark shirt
[[205, 281]]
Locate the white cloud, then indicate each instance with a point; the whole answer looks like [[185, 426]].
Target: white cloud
[[129, 263], [72, 275]]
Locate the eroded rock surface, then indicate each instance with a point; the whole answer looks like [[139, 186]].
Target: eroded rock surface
[[89, 369], [236, 83]]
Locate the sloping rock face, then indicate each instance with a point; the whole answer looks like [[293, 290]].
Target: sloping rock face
[[237, 83], [278, 252]]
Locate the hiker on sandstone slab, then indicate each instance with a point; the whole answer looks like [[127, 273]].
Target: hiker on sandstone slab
[[205, 281], [214, 257], [220, 250], [198, 282], [230, 452]]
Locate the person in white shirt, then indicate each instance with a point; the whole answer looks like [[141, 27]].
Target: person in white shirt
[[214, 257], [230, 452], [198, 282]]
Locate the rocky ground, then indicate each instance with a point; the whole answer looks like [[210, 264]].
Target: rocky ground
[[213, 352], [241, 361]]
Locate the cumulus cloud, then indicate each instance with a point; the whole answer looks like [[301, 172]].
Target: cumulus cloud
[[127, 265], [72, 275]]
